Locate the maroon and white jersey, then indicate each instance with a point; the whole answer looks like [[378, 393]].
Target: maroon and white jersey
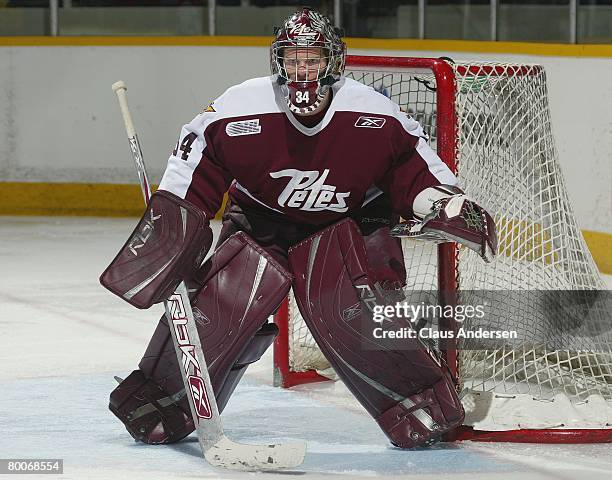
[[249, 142]]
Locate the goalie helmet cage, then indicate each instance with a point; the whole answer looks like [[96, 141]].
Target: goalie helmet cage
[[490, 123]]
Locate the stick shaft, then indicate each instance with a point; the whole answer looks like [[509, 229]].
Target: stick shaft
[[181, 321], [121, 90]]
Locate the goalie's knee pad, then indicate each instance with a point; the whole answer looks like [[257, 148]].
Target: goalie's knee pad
[[242, 286], [409, 394], [385, 259]]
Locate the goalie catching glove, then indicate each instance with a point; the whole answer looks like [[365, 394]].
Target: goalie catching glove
[[444, 214]]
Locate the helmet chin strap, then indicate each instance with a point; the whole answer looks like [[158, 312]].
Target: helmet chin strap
[[321, 94], [322, 91]]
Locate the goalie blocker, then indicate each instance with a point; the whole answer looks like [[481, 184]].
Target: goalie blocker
[[410, 395], [168, 244]]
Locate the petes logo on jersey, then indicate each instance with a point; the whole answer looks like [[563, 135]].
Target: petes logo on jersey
[[244, 127], [370, 122], [306, 190]]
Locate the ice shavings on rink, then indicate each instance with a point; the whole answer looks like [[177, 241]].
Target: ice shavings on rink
[[64, 337]]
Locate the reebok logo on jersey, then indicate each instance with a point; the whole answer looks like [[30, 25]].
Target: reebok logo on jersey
[[370, 122], [306, 190], [244, 127]]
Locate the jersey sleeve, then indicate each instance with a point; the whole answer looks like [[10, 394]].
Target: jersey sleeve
[[194, 171], [415, 168]]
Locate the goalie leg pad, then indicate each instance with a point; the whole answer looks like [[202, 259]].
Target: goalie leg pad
[[408, 393], [255, 349], [242, 286]]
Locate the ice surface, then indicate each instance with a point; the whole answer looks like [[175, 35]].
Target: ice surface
[[64, 337]]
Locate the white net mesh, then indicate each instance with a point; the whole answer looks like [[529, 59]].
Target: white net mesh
[[507, 162]]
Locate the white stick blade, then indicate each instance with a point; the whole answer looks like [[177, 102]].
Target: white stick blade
[[237, 456]]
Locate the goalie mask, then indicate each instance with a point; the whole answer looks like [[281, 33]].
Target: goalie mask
[[308, 56]]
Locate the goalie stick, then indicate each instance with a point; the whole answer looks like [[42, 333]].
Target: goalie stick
[[218, 450]]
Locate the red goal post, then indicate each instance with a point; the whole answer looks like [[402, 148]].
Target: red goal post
[[490, 123]]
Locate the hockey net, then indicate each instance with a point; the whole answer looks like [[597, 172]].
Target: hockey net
[[491, 124]]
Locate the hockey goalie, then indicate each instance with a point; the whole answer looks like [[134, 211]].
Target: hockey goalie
[[318, 169]]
